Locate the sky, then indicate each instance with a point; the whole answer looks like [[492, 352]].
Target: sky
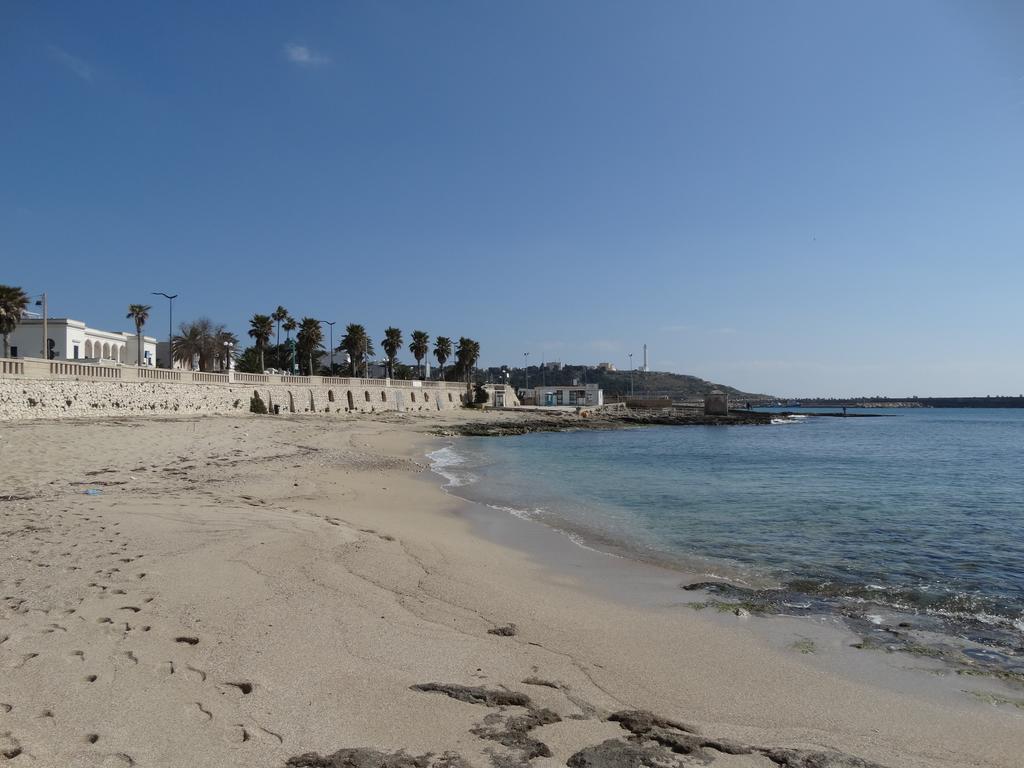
[[799, 198]]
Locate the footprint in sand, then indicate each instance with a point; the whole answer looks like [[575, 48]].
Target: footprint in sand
[[196, 675], [199, 712]]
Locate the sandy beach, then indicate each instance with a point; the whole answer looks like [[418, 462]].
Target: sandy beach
[[260, 591]]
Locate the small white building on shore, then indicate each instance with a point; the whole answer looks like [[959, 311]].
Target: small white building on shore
[[74, 340], [575, 395]]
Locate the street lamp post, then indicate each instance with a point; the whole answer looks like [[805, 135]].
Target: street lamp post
[[330, 324], [46, 340], [170, 325], [630, 374], [526, 369]]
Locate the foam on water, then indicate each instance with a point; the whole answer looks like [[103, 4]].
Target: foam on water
[[450, 464]]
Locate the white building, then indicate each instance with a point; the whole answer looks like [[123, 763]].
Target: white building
[[73, 340], [577, 395]]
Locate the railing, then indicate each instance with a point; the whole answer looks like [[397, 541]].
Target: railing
[[34, 368], [250, 378], [80, 369], [157, 373], [210, 378]]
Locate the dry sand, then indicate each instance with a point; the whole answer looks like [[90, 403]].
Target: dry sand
[[247, 590]]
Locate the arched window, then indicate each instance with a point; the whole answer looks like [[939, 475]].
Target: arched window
[[412, 396], [106, 351], [330, 395], [383, 396], [351, 402], [426, 397], [367, 395], [449, 397], [88, 348]]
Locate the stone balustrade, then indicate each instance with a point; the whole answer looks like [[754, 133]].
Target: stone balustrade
[[33, 388]]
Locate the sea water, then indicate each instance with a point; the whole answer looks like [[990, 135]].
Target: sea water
[[919, 511]]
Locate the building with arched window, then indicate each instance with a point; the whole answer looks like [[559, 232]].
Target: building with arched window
[[73, 340]]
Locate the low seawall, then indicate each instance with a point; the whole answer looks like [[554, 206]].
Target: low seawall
[[34, 389]]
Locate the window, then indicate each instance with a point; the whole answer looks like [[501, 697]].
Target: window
[[366, 394], [14, 351], [76, 352]]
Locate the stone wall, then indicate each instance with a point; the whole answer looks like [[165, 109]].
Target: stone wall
[[30, 390]]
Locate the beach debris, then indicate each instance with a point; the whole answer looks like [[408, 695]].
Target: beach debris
[[361, 757], [803, 758], [534, 680], [507, 630], [615, 753], [488, 697], [92, 492], [514, 732]]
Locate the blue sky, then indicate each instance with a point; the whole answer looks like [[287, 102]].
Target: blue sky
[[798, 198]]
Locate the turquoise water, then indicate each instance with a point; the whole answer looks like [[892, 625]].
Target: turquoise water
[[920, 510]]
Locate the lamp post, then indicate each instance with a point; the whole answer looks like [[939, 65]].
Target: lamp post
[[170, 325], [46, 348], [227, 359], [630, 374], [330, 324], [526, 369]]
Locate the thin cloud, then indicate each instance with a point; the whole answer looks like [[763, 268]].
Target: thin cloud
[[304, 56], [78, 67]]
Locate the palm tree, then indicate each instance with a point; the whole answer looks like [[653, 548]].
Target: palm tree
[[13, 302], [279, 315], [140, 314], [356, 343], [391, 343], [442, 351], [466, 356], [420, 347], [289, 325], [191, 344], [310, 340], [260, 328]]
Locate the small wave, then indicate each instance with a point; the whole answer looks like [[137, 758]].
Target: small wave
[[445, 461]]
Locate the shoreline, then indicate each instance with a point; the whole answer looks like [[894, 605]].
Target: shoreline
[[843, 640], [329, 583]]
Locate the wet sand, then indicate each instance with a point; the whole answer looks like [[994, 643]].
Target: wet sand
[[255, 590]]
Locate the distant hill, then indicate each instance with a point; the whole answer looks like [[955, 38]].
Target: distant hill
[[677, 386]]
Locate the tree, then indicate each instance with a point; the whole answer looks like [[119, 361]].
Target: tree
[[13, 302], [279, 315], [356, 343], [289, 325], [442, 351], [249, 361], [309, 341], [191, 346], [391, 343], [260, 328], [140, 314], [466, 356], [420, 347], [204, 343]]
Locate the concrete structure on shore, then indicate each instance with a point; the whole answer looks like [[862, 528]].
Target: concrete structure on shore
[[716, 403], [578, 395], [74, 340], [40, 389]]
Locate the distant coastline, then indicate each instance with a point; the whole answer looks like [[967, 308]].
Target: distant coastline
[[904, 402]]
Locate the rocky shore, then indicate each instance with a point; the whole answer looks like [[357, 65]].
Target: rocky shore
[[524, 422]]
